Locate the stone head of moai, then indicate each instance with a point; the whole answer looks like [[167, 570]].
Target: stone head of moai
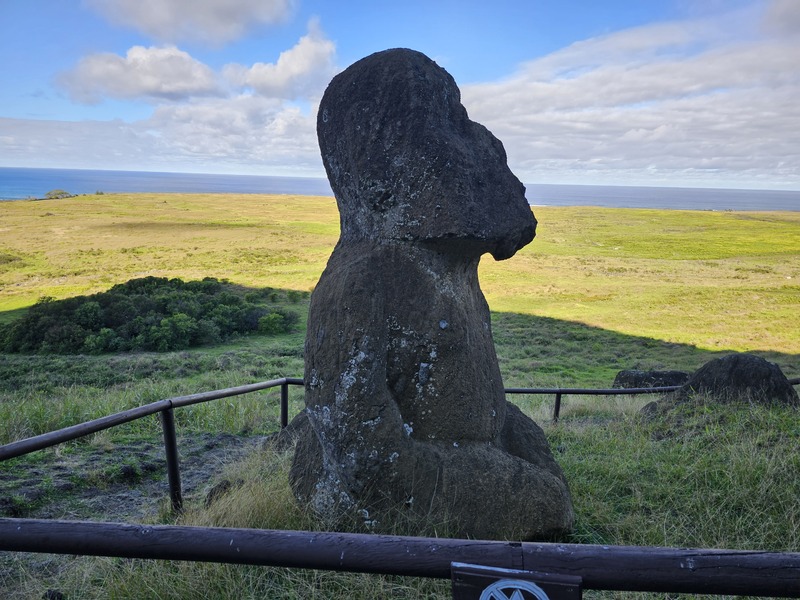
[[406, 162], [406, 417]]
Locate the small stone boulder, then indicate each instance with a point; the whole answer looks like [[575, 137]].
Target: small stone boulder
[[740, 377], [634, 378]]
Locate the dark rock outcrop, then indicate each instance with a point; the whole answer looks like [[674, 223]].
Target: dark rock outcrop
[[740, 377], [406, 418], [634, 378]]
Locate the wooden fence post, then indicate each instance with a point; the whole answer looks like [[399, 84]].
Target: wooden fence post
[[173, 467]]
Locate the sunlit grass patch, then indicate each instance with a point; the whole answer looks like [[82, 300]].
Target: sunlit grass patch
[[598, 291], [718, 477]]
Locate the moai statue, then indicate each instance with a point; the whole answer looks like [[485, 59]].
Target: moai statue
[[406, 419]]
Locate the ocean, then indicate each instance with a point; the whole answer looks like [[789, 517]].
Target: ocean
[[19, 183]]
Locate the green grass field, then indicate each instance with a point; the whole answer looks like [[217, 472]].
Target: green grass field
[[715, 280], [598, 290]]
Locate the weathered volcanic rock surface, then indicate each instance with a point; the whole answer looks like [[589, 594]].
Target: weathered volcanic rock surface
[[635, 378], [740, 377], [406, 424]]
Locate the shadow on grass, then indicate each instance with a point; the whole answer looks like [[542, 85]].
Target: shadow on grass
[[543, 352], [10, 315]]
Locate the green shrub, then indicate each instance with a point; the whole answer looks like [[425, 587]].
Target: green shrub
[[272, 323], [149, 313], [106, 340], [89, 315], [56, 194], [173, 333]]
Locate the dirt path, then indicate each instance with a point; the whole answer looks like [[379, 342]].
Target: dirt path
[[112, 482]]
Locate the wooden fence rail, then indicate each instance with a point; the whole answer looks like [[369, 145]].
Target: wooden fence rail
[[66, 434], [165, 410], [643, 569], [561, 392]]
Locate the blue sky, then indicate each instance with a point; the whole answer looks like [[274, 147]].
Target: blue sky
[[697, 93]]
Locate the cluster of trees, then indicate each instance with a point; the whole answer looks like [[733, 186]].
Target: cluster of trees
[[57, 194], [152, 313]]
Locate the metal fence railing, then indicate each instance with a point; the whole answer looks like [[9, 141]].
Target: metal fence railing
[[668, 570], [164, 408], [559, 393]]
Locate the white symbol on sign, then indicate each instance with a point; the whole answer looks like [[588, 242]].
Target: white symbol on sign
[[513, 589]]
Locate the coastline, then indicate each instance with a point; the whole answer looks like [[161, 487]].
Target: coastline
[[34, 184]]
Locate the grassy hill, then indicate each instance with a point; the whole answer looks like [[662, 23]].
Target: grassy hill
[[716, 280], [598, 290]]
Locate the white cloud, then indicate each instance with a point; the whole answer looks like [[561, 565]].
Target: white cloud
[[197, 123], [246, 134], [705, 101], [302, 71], [683, 103], [783, 17], [72, 144], [216, 21], [245, 130], [150, 73]]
